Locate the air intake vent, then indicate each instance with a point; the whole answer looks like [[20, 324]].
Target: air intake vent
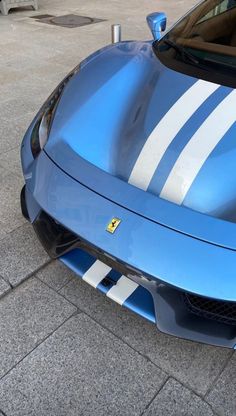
[[220, 311]]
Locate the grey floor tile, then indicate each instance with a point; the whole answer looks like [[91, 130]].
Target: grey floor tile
[[15, 108], [13, 130], [176, 400], [4, 287], [30, 86], [14, 50], [21, 255], [3, 172], [55, 275], [223, 395], [10, 163], [81, 370], [194, 364], [28, 314], [10, 188], [3, 233], [9, 76]]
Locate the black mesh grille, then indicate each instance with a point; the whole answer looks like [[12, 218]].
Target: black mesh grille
[[220, 311]]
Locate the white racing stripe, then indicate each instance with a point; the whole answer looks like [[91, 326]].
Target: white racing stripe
[[198, 149], [119, 292], [166, 130], [122, 290], [96, 273]]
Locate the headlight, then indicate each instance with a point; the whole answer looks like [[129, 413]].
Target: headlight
[[43, 124]]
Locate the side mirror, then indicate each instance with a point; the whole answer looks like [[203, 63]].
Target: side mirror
[[157, 24]]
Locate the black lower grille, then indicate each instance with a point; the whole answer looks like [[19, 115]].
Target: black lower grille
[[217, 310]]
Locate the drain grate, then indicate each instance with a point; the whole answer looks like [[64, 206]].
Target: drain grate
[[69, 20]]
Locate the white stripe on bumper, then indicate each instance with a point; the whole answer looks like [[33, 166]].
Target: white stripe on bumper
[[96, 273], [166, 130], [198, 149], [122, 290]]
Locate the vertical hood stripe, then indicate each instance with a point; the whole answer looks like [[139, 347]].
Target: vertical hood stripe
[[183, 137], [198, 150], [166, 130]]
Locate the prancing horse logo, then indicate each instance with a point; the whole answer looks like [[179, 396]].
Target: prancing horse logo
[[113, 224]]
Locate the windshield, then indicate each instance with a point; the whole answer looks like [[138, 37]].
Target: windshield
[[203, 43]]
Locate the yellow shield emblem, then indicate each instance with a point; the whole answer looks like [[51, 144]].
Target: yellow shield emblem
[[113, 224]]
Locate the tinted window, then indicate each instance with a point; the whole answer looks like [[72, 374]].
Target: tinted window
[[203, 43]]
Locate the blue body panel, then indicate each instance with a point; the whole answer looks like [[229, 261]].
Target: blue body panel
[[175, 258], [102, 123], [103, 120]]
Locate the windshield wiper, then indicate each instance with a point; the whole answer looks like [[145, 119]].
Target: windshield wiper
[[182, 51]]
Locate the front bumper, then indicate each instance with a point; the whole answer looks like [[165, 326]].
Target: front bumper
[[150, 297], [71, 219]]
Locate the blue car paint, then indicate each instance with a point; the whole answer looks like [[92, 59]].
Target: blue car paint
[[115, 139], [217, 176], [179, 260], [81, 178], [190, 222], [202, 227], [157, 24], [134, 84]]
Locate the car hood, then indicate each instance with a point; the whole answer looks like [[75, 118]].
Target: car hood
[[149, 138]]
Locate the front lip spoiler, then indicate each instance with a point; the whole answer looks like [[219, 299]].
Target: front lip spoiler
[[174, 318], [171, 314]]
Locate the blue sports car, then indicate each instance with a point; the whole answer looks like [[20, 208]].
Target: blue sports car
[[130, 173]]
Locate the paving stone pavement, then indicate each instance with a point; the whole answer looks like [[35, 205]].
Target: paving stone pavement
[[64, 348]]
